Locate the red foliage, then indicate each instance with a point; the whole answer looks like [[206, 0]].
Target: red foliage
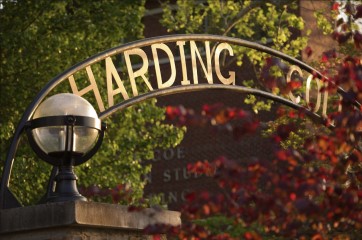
[[308, 50], [308, 194], [335, 6], [282, 195], [342, 37], [216, 115], [358, 13], [118, 193], [349, 77], [270, 80], [328, 55], [344, 30]]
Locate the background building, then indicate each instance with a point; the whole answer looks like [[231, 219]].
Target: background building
[[169, 168]]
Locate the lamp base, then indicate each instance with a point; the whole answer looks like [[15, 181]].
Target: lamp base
[[66, 198], [66, 187]]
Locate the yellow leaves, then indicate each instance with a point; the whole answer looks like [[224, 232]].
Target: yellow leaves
[[323, 23], [282, 37]]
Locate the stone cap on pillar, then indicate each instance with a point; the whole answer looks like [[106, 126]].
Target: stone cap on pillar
[[78, 213]]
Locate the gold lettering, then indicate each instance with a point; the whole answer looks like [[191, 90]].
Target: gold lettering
[[231, 79], [307, 92], [325, 103], [140, 72], [195, 52], [167, 50], [112, 71], [93, 86], [181, 45]]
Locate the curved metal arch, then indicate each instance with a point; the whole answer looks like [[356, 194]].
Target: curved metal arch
[[193, 88], [139, 44]]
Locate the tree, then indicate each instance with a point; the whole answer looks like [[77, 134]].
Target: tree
[[272, 23], [40, 39]]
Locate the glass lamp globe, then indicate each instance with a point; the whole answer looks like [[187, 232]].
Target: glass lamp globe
[[52, 139]]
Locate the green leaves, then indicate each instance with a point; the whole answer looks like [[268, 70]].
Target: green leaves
[[273, 23], [39, 40], [323, 23], [132, 136], [188, 18]]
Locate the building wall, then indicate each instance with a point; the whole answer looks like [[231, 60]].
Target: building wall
[[318, 42]]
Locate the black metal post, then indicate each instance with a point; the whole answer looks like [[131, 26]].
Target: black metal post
[[66, 186]]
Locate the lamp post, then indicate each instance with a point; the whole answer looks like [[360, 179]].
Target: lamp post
[[65, 131]]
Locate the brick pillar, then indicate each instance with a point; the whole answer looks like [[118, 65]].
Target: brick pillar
[[81, 220]]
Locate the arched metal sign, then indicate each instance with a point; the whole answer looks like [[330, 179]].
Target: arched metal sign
[[117, 78]]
